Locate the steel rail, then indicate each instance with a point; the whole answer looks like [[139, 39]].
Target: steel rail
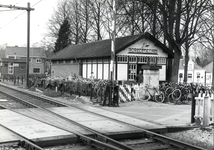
[[99, 140], [19, 100], [147, 133], [85, 139], [23, 142]]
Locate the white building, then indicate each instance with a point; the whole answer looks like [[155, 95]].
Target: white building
[[209, 73], [195, 74]]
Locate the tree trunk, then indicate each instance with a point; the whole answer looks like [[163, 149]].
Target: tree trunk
[[175, 66], [186, 61], [186, 68]]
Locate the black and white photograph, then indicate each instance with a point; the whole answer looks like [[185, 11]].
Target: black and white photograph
[[106, 74]]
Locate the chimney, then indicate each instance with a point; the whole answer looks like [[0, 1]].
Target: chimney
[[14, 55]]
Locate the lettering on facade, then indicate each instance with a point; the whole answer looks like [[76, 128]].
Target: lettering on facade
[[143, 51]]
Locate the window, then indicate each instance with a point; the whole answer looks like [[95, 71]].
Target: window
[[68, 61], [142, 59], [54, 62], [36, 70], [11, 57], [132, 71], [190, 67], [198, 75], [152, 60], [161, 60], [189, 75], [122, 58], [60, 61], [38, 60], [132, 59], [10, 68]]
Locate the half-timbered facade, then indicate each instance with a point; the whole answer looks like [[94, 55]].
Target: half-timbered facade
[[133, 53]]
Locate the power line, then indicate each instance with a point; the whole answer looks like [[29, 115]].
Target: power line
[[7, 10], [18, 2], [37, 3], [12, 20], [19, 14]]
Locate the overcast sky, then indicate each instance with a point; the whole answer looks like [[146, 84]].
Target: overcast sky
[[13, 24]]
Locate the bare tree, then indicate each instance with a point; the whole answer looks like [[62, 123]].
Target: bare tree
[[60, 14], [179, 20], [194, 22]]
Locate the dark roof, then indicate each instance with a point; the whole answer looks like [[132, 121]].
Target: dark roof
[[13, 60], [209, 67], [196, 66], [2, 53], [103, 48], [22, 51]]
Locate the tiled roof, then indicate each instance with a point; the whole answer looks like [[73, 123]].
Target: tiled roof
[[13, 60], [103, 48], [2, 53], [22, 51], [209, 67]]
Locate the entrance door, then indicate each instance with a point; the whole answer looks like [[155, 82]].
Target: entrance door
[[132, 71]]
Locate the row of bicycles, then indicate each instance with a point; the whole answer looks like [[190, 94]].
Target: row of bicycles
[[176, 93]]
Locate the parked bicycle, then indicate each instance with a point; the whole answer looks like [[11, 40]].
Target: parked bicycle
[[154, 94]]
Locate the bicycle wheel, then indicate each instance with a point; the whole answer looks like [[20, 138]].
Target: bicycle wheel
[[159, 96], [168, 91], [147, 96], [176, 94], [170, 99]]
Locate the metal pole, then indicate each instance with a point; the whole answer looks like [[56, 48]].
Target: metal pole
[[28, 44], [112, 50]]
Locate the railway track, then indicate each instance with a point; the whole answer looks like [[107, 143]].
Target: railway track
[[148, 139], [22, 142]]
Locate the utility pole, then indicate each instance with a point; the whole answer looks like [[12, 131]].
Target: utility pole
[[28, 9], [113, 29]]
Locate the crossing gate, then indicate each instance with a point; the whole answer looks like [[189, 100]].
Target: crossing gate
[[126, 93], [204, 109]]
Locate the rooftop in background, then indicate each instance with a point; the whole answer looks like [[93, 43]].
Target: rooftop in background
[[103, 48], [209, 67], [13, 60], [196, 66], [22, 52]]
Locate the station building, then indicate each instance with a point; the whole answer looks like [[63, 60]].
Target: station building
[[132, 54]]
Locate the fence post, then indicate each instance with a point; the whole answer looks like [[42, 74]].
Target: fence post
[[14, 80], [91, 90], [199, 114], [206, 111], [193, 109], [211, 109], [18, 80]]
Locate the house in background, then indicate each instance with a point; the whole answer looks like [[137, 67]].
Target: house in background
[[209, 73], [195, 74], [14, 61]]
